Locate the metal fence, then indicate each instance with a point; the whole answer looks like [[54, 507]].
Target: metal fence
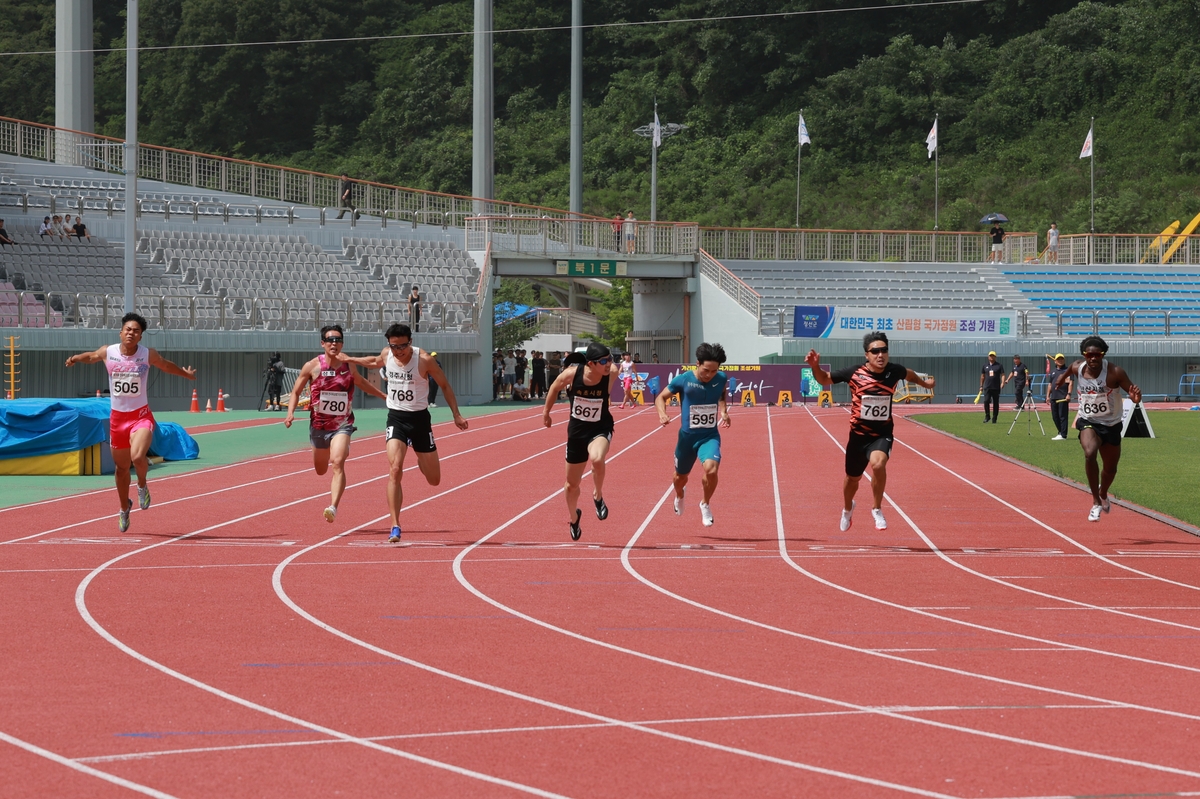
[[732, 285], [551, 237], [667, 345], [1128, 248], [790, 244], [563, 321]]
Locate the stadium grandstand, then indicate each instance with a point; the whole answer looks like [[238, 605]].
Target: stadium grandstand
[[235, 259]]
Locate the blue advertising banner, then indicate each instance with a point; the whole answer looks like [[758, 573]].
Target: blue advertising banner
[[899, 323]]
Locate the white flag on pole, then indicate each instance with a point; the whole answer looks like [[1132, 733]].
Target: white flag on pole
[[1087, 146], [804, 139], [931, 139], [657, 130]]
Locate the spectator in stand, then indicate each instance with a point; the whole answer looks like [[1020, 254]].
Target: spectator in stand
[[629, 226], [46, 229], [537, 383], [4, 237], [510, 373], [653, 357], [346, 196], [59, 229], [637, 357], [616, 229], [80, 231], [414, 309], [1052, 244], [553, 367], [998, 236]]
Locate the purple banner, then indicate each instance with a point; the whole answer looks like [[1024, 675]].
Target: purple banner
[[766, 380]]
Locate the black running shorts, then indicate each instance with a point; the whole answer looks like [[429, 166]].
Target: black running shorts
[[414, 428], [1110, 434], [577, 445], [859, 449]]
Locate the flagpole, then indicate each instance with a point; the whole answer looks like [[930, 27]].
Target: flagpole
[[654, 172], [1092, 136], [799, 150], [935, 177]]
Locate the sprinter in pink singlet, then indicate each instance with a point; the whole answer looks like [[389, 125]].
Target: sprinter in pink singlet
[[331, 414], [131, 425]]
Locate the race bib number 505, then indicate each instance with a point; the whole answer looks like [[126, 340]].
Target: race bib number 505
[[876, 408], [333, 403], [586, 409], [125, 388]]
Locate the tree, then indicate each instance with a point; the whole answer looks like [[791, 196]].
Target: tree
[[615, 313], [510, 304]]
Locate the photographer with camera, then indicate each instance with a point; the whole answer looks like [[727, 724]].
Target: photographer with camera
[[274, 374]]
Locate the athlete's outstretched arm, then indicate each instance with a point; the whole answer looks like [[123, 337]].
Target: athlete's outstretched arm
[[294, 397], [433, 369], [660, 405], [560, 383], [170, 367], [369, 361], [913, 377], [1118, 375], [820, 375], [95, 356], [365, 385]]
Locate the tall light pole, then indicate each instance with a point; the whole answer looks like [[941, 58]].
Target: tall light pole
[[484, 116], [656, 132], [131, 150], [576, 106]]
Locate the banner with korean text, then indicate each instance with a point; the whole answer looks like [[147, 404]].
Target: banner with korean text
[[845, 322]]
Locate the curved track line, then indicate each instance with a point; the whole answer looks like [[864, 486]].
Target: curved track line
[[930, 614], [607, 720], [85, 614], [211, 469], [92, 772], [306, 470]]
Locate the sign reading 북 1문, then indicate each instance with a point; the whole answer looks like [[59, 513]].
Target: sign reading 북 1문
[[593, 268], [844, 322]]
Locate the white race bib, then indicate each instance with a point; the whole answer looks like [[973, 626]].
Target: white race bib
[[333, 403], [1093, 406], [875, 408], [587, 409], [128, 386], [702, 416]]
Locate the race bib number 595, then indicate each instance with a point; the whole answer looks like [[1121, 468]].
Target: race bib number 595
[[702, 416]]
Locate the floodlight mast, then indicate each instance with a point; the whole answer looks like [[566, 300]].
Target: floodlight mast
[[131, 151], [663, 131]]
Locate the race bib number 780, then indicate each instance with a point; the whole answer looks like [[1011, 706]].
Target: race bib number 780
[[333, 403]]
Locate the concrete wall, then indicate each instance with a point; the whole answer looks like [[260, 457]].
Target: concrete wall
[[718, 318]]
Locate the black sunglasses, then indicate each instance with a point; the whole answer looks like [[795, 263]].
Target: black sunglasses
[[400, 347], [879, 351], [332, 340]]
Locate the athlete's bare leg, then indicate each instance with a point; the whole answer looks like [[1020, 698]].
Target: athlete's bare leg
[[710, 479], [139, 441], [121, 473], [430, 466], [396, 452], [1098, 481], [849, 489], [679, 481], [1110, 456], [597, 452], [339, 448], [571, 488], [878, 476]]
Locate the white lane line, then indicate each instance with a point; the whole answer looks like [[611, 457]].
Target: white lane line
[[548, 703], [306, 470], [85, 614], [841, 703], [78, 766], [561, 728], [1107, 653], [248, 462]]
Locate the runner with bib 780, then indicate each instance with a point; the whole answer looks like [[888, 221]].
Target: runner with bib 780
[[871, 387]]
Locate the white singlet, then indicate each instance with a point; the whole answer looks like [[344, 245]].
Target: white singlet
[[625, 370], [406, 389], [127, 378], [1096, 403]]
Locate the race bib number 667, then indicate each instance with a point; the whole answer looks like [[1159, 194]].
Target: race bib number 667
[[586, 409]]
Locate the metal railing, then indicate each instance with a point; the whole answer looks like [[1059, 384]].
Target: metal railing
[[564, 321], [37, 308], [286, 185], [1128, 248], [790, 244], [732, 285], [1126, 323], [547, 236]]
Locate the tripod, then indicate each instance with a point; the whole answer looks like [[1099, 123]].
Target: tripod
[[1023, 398]]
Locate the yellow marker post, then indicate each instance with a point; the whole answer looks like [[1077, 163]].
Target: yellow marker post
[[825, 399], [785, 399], [748, 398], [637, 396]]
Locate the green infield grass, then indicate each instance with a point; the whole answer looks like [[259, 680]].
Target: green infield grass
[[1157, 473]]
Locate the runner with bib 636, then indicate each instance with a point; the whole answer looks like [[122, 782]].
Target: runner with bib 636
[[1099, 418]]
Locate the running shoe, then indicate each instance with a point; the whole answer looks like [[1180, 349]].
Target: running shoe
[[1105, 505], [601, 509], [143, 497], [1058, 438], [877, 515], [706, 514], [123, 518], [576, 530], [1094, 513], [395, 536], [846, 518], [679, 502], [331, 513]]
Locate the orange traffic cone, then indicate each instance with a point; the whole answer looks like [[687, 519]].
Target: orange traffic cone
[[220, 401], [208, 406], [195, 402]]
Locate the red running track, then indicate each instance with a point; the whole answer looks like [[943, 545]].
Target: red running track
[[989, 643]]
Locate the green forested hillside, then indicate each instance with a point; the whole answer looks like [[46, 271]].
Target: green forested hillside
[[1015, 83]]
